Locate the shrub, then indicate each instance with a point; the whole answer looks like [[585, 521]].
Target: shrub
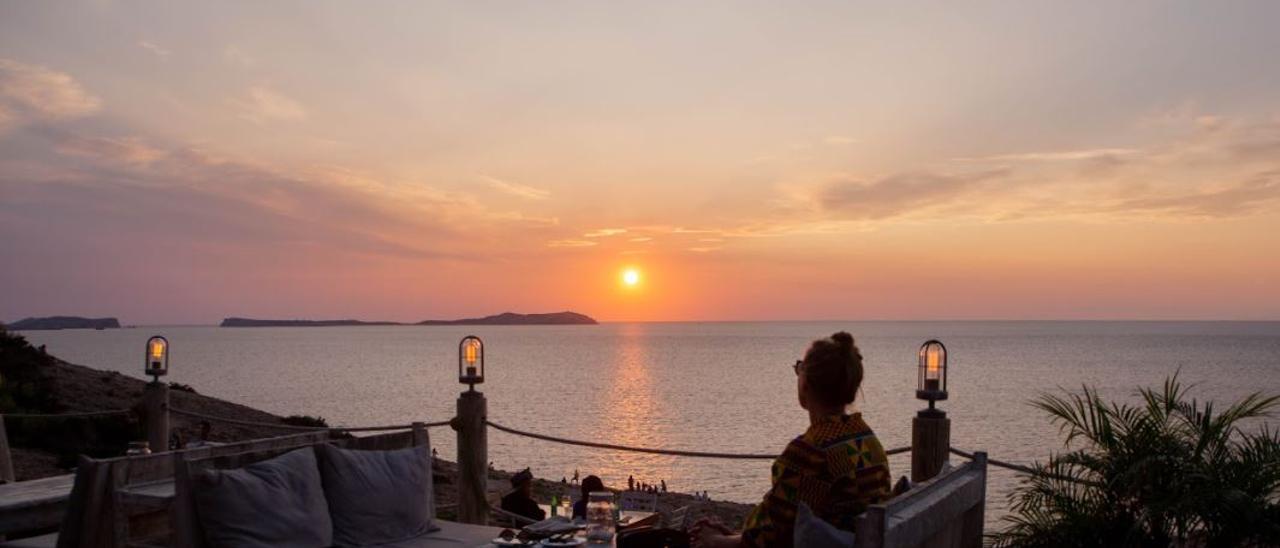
[[1168, 471], [305, 420]]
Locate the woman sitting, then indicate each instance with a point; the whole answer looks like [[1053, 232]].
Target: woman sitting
[[590, 484], [837, 467]]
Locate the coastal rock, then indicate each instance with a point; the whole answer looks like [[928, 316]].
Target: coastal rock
[[63, 322], [511, 318], [505, 318]]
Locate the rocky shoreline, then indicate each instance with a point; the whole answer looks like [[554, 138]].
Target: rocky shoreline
[[75, 388]]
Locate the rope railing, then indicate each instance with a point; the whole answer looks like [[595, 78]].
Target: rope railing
[[544, 437], [387, 428], [73, 415], [650, 450], [1024, 469]]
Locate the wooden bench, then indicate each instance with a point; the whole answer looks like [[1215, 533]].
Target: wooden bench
[[944, 512], [127, 501]]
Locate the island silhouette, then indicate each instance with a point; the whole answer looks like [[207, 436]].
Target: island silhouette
[[505, 318]]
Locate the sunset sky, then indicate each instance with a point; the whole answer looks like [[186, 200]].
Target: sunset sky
[[175, 162]]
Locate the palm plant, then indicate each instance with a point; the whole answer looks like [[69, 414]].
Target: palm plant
[[1169, 470]]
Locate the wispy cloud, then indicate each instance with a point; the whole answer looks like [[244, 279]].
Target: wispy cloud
[[129, 150], [155, 49], [264, 104], [571, 243], [238, 56], [897, 194], [515, 189], [1054, 156], [837, 140], [605, 232], [32, 93]]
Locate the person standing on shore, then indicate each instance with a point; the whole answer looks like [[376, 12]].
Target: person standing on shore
[[837, 468], [631, 483]]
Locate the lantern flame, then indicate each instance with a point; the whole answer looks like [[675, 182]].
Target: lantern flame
[[157, 349]]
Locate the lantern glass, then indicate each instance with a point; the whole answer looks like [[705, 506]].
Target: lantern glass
[[157, 359], [933, 371], [471, 360]]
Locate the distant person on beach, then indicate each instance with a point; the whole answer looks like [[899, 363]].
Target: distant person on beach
[[206, 430], [664, 485], [520, 500], [590, 484], [631, 483], [838, 466]]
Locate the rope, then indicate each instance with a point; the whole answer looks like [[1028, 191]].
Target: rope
[[598, 445], [1025, 469], [305, 428], [65, 415]]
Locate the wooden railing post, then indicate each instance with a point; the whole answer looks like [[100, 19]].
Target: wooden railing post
[[6, 460], [930, 443], [155, 403], [420, 435], [473, 458]]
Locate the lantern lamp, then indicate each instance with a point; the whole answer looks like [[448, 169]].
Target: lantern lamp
[[471, 361], [157, 361], [933, 372]]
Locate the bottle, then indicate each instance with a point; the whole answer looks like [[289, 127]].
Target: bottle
[[555, 504], [566, 507]]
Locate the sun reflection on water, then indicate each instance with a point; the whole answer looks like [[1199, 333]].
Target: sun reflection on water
[[628, 416]]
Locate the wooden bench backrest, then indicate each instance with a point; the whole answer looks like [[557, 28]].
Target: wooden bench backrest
[[944, 512], [187, 532], [95, 516]]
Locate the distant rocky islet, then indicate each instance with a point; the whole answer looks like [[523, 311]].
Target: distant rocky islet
[[505, 318]]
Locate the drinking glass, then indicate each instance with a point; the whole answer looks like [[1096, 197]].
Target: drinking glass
[[600, 525]]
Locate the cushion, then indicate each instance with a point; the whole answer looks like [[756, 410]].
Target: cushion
[[376, 497], [814, 531], [276, 502]]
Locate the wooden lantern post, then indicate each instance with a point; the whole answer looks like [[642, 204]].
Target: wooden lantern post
[[155, 397], [473, 441], [930, 429]]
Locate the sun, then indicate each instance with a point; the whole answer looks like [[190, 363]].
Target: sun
[[630, 277]]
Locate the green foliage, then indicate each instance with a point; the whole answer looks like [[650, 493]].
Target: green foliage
[[1169, 471], [305, 420], [23, 385], [25, 388]]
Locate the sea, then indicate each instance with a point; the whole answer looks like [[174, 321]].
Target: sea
[[702, 386]]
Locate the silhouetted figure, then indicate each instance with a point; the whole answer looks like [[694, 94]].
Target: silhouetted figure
[[564, 480], [631, 483], [575, 475], [589, 485], [664, 485], [520, 500], [206, 430]]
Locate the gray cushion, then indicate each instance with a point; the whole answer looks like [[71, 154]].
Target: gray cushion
[[814, 531], [376, 497], [276, 502]]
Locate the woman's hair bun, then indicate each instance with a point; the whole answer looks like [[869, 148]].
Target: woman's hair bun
[[843, 339]]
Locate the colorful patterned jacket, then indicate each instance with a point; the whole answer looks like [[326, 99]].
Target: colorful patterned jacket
[[838, 468]]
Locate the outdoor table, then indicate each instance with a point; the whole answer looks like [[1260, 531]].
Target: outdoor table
[[630, 518]]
